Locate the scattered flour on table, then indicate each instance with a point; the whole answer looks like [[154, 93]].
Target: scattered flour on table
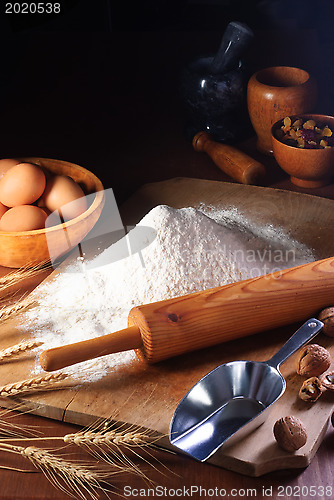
[[192, 250]]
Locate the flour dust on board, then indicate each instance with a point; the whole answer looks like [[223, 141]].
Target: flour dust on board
[[192, 250]]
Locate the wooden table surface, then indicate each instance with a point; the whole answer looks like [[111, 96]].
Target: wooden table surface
[[137, 144], [171, 471]]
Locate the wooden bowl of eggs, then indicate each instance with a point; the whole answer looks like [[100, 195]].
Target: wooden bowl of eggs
[[46, 208]]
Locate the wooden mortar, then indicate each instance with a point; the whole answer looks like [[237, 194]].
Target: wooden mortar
[[274, 93]]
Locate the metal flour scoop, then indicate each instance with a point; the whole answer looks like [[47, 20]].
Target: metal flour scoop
[[232, 400]]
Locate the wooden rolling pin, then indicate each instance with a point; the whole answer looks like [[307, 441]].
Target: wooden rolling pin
[[171, 327], [230, 160]]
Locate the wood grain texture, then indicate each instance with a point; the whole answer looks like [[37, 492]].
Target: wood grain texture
[[230, 160], [274, 93], [59, 357], [179, 325], [168, 328], [147, 395]]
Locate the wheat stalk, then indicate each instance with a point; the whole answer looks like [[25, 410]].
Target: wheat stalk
[[100, 441], [108, 444], [109, 438], [74, 479], [24, 346], [10, 428], [35, 384], [20, 274], [8, 312]]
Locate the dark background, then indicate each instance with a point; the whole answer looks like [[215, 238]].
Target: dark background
[[98, 84]]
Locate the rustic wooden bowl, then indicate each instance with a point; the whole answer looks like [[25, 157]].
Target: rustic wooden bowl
[[30, 248], [274, 93], [309, 168]]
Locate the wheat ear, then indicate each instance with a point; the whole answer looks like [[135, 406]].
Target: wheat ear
[[109, 444], [91, 438], [25, 345], [8, 312], [43, 382], [104, 446], [22, 273], [76, 480]]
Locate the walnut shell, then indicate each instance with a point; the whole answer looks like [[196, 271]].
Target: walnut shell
[[327, 381], [312, 360], [290, 433], [311, 390], [327, 317]]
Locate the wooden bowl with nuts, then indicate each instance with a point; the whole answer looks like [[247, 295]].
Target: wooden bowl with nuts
[[25, 248], [303, 146]]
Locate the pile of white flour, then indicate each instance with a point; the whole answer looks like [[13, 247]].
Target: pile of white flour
[[183, 252]]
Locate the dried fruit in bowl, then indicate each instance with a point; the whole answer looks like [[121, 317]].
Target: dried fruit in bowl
[[305, 134]]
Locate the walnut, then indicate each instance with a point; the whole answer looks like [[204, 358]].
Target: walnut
[[327, 381], [290, 433], [312, 360], [311, 390], [313, 387], [327, 317]]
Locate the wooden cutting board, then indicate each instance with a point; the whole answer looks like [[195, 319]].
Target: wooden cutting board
[[148, 395]]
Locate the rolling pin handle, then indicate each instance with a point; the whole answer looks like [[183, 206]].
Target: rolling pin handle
[[229, 159], [59, 357]]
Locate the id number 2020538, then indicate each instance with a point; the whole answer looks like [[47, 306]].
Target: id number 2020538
[[32, 8], [305, 491]]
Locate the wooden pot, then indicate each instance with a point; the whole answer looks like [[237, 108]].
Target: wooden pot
[[31, 248], [274, 93], [308, 168]]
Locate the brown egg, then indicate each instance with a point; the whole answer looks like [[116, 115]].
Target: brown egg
[[52, 218], [64, 194], [3, 209], [6, 164], [23, 218], [22, 184], [46, 210]]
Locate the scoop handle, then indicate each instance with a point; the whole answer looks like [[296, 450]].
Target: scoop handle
[[66, 355], [230, 160], [305, 333]]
